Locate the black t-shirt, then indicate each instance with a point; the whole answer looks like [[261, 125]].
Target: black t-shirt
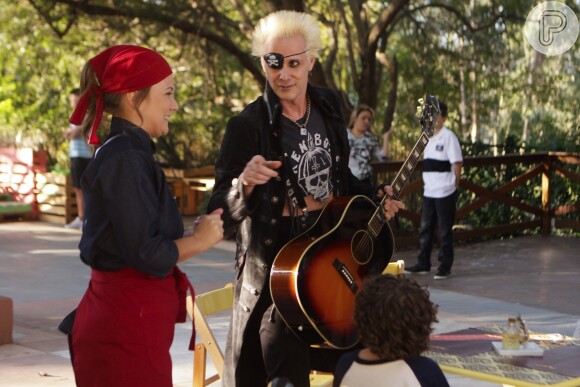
[[309, 155]]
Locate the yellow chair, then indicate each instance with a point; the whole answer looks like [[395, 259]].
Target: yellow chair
[[318, 379], [395, 268], [208, 304]]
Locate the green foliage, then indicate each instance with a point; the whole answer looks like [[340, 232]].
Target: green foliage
[[472, 55], [492, 74], [38, 71], [35, 84]]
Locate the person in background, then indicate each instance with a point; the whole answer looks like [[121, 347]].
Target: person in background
[[282, 159], [441, 176], [79, 154], [364, 145], [394, 316], [133, 235]]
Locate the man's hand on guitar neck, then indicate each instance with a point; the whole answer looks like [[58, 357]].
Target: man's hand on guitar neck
[[390, 206], [257, 172]]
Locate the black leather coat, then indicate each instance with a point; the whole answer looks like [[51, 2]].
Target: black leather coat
[[256, 130]]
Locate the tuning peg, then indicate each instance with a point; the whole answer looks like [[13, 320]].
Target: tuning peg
[[419, 112]]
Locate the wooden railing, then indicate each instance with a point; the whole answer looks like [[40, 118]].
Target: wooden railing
[[57, 201], [521, 197], [521, 192], [190, 187], [499, 196]]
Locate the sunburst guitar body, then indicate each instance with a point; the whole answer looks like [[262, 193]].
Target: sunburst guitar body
[[316, 276]]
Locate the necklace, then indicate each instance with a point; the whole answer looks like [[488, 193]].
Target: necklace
[[303, 130]]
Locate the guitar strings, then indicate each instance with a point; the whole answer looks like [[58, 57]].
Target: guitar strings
[[363, 244]]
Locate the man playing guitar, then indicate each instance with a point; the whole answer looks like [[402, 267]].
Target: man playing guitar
[[282, 160]]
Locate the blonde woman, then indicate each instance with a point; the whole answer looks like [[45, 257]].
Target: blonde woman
[[364, 145]]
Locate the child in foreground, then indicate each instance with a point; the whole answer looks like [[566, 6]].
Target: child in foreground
[[394, 316]]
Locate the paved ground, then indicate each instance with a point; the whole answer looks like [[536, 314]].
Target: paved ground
[[40, 270]]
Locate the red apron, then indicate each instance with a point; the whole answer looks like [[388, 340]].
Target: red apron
[[124, 327]]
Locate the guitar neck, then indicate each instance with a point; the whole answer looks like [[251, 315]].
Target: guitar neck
[[400, 181], [408, 167]]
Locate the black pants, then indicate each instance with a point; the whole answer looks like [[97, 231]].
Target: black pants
[[284, 354], [437, 212], [78, 165]]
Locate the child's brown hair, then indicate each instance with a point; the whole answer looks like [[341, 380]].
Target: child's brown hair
[[394, 316]]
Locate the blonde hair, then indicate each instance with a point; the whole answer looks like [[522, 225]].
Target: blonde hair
[[284, 24], [358, 110]]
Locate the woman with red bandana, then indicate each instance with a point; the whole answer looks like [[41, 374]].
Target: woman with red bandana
[[133, 234]]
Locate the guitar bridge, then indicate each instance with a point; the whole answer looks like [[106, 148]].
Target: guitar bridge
[[346, 275]]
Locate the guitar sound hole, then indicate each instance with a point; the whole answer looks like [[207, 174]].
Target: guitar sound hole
[[362, 247]]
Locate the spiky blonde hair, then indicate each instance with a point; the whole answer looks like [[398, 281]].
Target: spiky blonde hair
[[283, 24]]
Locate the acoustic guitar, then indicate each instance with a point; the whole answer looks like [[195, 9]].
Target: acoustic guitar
[[315, 276]]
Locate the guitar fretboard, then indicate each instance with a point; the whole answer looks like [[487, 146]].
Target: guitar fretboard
[[408, 167], [378, 219]]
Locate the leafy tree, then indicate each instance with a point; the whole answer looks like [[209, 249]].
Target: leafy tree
[[387, 54]]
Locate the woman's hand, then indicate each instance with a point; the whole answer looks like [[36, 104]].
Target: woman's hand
[[208, 229]]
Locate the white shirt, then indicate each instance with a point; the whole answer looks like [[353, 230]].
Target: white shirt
[[441, 153], [352, 371]]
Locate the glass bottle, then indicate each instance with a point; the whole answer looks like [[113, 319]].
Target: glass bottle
[[511, 335]]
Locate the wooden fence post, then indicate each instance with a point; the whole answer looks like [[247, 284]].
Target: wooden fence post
[[6, 319], [546, 197], [56, 198]]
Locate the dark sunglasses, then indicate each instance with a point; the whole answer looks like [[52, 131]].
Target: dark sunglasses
[[276, 61]]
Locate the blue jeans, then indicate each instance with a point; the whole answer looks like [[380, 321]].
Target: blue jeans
[[437, 212]]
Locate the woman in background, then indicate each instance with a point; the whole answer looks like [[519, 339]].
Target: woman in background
[[364, 145]]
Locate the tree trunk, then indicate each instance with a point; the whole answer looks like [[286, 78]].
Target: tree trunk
[[392, 95], [473, 79], [463, 103]]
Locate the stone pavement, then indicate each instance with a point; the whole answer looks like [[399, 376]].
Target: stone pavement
[[41, 272]]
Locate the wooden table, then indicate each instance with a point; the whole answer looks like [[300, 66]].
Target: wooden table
[[470, 353]]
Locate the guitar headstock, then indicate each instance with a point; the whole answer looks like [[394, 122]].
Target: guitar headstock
[[428, 111]]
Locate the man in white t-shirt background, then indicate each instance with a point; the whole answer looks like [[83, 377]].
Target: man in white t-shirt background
[[441, 175]]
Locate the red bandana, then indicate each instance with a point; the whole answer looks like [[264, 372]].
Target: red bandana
[[120, 69]]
